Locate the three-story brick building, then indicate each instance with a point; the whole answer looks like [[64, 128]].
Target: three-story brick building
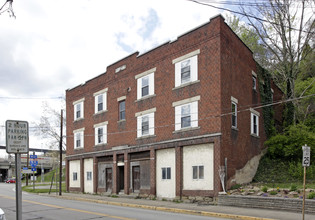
[[165, 121]]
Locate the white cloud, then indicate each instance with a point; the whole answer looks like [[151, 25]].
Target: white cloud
[[54, 45]]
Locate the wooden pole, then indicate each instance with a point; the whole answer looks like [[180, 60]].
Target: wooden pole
[[60, 153]]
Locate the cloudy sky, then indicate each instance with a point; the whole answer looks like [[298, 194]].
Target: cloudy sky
[[53, 45]]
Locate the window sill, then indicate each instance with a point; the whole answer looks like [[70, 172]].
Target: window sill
[[186, 84], [186, 129], [100, 112], [255, 135], [121, 121], [100, 145], [235, 128], [79, 148], [145, 137], [79, 119], [145, 97]]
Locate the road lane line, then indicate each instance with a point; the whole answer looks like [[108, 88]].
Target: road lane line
[[70, 209]]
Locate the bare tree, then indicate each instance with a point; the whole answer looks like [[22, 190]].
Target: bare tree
[[286, 28], [7, 7], [49, 126]]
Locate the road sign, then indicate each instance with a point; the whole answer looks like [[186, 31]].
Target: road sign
[[25, 168], [33, 169], [17, 138], [33, 163], [33, 156], [27, 171], [306, 156]]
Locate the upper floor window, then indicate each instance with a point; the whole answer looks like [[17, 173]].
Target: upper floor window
[[78, 109], [234, 112], [145, 123], [186, 68], [186, 113], [100, 100], [122, 110], [145, 83], [254, 78], [100, 133], [78, 138], [254, 115]]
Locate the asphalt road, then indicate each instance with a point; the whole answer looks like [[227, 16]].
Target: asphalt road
[[50, 208]]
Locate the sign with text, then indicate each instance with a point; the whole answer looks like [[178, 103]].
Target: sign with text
[[17, 137], [306, 156]]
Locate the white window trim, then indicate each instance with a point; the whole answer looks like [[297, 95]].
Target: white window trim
[[257, 114], [150, 75], [75, 103], [140, 115], [193, 57], [186, 101], [122, 98], [198, 174], [104, 126], [189, 55], [193, 113], [170, 174], [96, 94], [235, 102], [145, 73], [81, 131]]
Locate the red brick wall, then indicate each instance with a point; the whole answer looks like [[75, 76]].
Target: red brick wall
[[206, 38]]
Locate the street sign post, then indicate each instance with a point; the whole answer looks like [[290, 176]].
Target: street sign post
[[17, 142], [306, 161], [16, 136]]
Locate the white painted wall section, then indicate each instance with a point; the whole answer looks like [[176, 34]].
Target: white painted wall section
[[198, 155], [165, 188], [74, 167], [88, 167]]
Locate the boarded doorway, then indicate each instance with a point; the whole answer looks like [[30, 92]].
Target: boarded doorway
[[109, 176], [136, 178]]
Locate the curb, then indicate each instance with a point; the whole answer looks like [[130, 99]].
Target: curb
[[174, 210]]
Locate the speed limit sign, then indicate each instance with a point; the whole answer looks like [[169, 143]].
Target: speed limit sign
[[306, 156]]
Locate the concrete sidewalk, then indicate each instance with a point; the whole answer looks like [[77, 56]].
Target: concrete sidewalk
[[226, 212]]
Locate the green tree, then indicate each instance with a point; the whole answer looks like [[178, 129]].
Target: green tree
[[288, 146], [285, 28]]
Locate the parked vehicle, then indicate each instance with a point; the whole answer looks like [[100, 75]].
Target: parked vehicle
[[10, 181], [2, 216]]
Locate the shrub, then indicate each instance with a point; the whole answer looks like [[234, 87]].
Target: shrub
[[311, 195], [273, 193], [236, 186], [264, 189], [293, 187]]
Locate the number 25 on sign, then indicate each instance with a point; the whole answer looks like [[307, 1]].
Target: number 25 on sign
[[306, 156]]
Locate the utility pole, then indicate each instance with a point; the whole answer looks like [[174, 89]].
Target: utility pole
[[60, 153]]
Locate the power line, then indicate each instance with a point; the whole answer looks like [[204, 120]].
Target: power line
[[250, 16], [248, 108]]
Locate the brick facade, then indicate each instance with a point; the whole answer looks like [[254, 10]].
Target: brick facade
[[225, 68]]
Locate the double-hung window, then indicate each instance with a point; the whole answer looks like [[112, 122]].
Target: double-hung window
[[166, 173], [74, 176], [186, 68], [78, 109], [121, 108], [186, 113], [100, 101], [234, 112], [254, 120], [198, 172], [78, 138], [100, 133], [88, 175], [145, 123], [254, 79], [145, 84]]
